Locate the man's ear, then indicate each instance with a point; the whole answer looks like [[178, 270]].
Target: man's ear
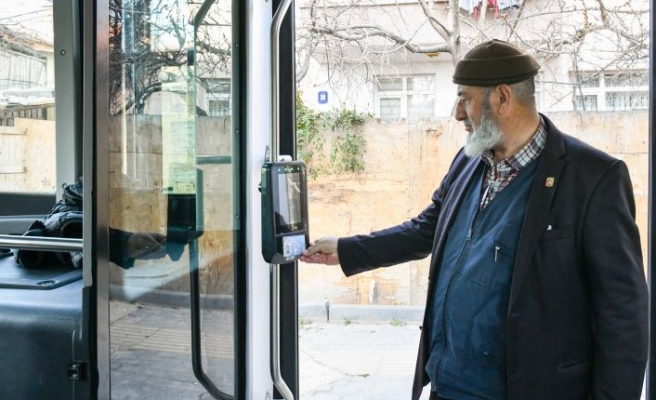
[[504, 95]]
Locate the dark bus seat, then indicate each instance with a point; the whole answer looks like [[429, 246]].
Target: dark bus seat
[[40, 316], [25, 203], [12, 276], [17, 225]]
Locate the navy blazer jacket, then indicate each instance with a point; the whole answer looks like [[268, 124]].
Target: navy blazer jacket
[[577, 322]]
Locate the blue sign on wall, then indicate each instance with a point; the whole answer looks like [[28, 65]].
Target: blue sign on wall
[[323, 97]]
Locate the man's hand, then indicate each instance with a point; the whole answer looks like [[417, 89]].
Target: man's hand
[[322, 251], [145, 246]]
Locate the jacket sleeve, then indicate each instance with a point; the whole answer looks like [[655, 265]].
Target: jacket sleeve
[[411, 240], [613, 259]]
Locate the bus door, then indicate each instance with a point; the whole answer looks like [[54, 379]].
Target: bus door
[[168, 180]]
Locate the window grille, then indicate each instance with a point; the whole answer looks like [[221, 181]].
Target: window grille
[[218, 92], [411, 97], [611, 91]]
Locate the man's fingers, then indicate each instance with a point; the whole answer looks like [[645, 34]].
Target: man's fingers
[[326, 245], [316, 258], [321, 258], [311, 250], [322, 251], [315, 248]]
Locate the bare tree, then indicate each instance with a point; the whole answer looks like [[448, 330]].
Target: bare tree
[[596, 35], [153, 45], [150, 45]]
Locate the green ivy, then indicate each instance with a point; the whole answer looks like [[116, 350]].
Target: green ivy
[[347, 145], [308, 140]]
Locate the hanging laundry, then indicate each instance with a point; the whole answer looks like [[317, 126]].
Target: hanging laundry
[[469, 5], [474, 6], [490, 4], [508, 5]]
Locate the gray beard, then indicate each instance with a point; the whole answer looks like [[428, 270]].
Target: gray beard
[[485, 137]]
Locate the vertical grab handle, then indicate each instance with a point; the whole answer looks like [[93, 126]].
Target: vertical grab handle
[[276, 373], [196, 221], [276, 24], [196, 355]]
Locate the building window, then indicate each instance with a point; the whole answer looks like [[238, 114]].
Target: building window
[[411, 97], [218, 108], [390, 107], [586, 102], [218, 92], [611, 91]]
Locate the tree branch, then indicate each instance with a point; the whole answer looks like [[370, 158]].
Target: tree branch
[[366, 32], [440, 28]]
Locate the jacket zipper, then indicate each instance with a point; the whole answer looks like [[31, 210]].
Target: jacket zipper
[[465, 250]]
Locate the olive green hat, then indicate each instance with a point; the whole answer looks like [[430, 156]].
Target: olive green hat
[[494, 62]]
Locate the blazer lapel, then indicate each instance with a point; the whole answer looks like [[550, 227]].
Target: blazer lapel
[[541, 198]]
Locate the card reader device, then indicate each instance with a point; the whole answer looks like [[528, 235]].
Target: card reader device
[[284, 211]]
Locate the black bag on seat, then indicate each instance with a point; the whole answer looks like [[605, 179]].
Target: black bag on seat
[[63, 221]]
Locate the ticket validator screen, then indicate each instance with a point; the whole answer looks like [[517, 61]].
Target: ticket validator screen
[[287, 200]]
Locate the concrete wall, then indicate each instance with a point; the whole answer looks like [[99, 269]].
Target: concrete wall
[[138, 202], [27, 156], [404, 165]]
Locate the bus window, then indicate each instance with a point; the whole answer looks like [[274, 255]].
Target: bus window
[[27, 108]]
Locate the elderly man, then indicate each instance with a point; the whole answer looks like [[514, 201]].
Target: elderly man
[[536, 283]]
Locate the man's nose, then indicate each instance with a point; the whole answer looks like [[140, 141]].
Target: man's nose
[[460, 113]]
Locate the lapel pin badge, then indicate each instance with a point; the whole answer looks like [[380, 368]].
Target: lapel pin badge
[[550, 181]]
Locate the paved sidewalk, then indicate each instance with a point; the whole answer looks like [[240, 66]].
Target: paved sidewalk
[[361, 354], [357, 360]]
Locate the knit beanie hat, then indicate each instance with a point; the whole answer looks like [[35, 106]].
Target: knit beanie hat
[[494, 62]]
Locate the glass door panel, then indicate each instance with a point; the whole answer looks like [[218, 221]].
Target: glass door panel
[[172, 197], [217, 152]]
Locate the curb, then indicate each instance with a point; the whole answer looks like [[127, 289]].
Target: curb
[[339, 312]]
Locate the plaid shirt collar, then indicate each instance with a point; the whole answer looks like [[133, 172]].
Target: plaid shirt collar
[[499, 174], [522, 158]]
